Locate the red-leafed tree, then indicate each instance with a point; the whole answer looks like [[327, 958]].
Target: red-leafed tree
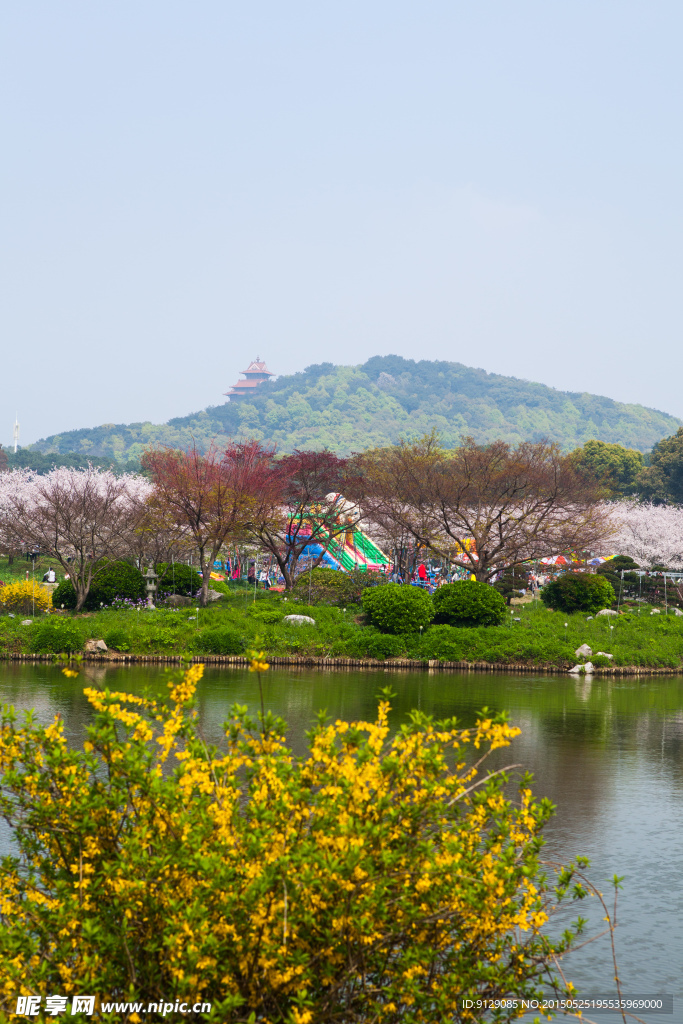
[[311, 510], [212, 495]]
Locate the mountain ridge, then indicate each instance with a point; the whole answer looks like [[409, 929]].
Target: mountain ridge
[[349, 408]]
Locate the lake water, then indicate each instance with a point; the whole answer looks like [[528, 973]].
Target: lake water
[[608, 753]]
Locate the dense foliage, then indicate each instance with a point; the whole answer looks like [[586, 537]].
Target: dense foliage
[[578, 591], [351, 408], [617, 467], [55, 635], [398, 609], [114, 580], [662, 480], [218, 640], [178, 578], [270, 886], [468, 603]]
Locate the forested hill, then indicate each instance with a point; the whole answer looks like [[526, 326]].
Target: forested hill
[[349, 408]]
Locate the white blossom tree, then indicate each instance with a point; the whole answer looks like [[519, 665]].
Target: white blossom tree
[[14, 485], [650, 534], [78, 517]]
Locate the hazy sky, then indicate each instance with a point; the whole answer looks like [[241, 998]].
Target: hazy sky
[[185, 185]]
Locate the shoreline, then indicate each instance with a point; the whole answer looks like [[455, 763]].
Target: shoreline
[[345, 664]]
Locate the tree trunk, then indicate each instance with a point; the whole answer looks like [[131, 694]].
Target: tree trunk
[[204, 595], [206, 570]]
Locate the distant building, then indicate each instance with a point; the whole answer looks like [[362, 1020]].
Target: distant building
[[256, 373]]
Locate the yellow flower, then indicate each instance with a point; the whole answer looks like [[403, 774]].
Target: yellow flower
[[257, 661]]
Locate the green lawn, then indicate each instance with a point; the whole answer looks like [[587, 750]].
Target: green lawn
[[237, 622], [17, 571]]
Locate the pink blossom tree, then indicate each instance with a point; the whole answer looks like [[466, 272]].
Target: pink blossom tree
[[79, 517]]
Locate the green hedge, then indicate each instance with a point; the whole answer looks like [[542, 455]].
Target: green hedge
[[397, 608], [578, 592], [468, 603]]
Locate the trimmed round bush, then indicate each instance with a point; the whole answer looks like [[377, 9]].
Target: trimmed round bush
[[468, 603], [578, 592], [397, 609], [218, 640], [56, 636], [116, 579], [178, 578]]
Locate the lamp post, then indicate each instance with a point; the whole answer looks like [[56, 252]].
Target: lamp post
[[151, 587]]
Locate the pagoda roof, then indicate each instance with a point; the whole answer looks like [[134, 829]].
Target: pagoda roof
[[258, 371], [257, 366]]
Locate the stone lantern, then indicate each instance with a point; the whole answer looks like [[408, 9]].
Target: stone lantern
[[151, 587]]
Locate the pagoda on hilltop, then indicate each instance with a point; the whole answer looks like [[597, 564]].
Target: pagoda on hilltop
[[256, 373]]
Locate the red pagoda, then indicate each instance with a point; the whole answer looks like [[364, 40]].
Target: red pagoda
[[256, 373]]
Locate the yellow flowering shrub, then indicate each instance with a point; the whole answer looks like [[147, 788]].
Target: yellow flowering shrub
[[23, 596], [381, 877]]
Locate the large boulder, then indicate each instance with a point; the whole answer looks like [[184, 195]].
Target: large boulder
[[299, 620], [96, 647], [584, 651], [607, 611]]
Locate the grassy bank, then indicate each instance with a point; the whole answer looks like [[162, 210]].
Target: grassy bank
[[532, 635]]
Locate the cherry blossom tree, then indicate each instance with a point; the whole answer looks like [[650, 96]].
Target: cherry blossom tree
[[14, 485], [78, 517], [650, 534]]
